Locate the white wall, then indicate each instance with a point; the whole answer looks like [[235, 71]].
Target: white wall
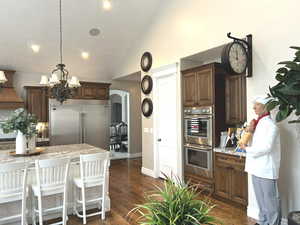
[[186, 27]]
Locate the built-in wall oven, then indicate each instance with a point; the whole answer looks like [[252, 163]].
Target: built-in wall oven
[[198, 125], [200, 159], [198, 139]]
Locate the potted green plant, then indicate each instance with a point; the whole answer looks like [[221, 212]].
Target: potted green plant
[[286, 92], [176, 203], [25, 125]]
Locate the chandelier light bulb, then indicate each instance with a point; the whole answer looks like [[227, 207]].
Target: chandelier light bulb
[[106, 4], [44, 80]]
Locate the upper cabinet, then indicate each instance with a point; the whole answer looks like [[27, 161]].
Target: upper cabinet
[[235, 99], [204, 84], [90, 90], [198, 86], [37, 102], [189, 89]]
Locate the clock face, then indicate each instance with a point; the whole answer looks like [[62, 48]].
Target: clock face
[[237, 57]]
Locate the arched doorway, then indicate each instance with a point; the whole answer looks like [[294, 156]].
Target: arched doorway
[[119, 126]]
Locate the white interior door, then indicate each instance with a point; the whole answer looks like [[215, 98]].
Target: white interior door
[[166, 125]]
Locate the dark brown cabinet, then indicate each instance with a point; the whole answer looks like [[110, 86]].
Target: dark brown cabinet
[[198, 86], [189, 89], [37, 102], [231, 181], [204, 87], [90, 90], [235, 99]]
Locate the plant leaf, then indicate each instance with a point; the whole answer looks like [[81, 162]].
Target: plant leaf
[[295, 47], [271, 105]]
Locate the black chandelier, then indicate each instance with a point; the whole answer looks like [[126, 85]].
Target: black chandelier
[[61, 88]]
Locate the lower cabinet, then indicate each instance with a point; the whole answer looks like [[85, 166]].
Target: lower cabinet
[[231, 181], [193, 176]]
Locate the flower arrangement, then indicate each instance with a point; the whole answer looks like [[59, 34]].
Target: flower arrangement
[[20, 120]]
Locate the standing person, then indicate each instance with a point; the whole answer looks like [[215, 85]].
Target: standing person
[[263, 162]]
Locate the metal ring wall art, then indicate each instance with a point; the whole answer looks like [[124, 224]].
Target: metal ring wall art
[[147, 107], [146, 84]]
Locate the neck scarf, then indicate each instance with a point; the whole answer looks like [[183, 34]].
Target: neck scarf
[[259, 118]]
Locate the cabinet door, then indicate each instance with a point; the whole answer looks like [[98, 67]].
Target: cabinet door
[[37, 103], [235, 99], [223, 180], [204, 87], [94, 92], [239, 192], [189, 89]]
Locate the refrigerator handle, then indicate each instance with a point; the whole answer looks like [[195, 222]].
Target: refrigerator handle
[[80, 128]]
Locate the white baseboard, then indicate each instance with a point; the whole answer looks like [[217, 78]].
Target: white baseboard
[[253, 213], [148, 172], [134, 155]]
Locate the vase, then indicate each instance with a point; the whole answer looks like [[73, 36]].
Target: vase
[[21, 143]]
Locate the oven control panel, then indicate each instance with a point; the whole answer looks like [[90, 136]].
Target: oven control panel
[[198, 110]]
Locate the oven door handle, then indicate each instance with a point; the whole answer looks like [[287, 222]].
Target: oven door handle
[[207, 149], [198, 116]]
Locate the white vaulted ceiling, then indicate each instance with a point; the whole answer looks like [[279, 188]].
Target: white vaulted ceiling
[[27, 22]]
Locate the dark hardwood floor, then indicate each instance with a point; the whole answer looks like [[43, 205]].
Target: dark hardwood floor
[[127, 188]]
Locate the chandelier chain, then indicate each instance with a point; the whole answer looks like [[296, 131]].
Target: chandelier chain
[[60, 30]]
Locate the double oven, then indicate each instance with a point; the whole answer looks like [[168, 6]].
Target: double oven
[[198, 139]]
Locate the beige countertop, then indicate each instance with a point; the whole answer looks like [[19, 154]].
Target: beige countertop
[[50, 152], [230, 151]]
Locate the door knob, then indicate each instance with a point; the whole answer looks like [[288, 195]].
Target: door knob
[[159, 139]]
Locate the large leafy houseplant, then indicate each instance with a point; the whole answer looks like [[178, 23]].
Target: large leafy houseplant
[[286, 92], [21, 121], [175, 203]]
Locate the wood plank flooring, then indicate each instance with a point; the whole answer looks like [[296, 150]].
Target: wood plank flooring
[[127, 188]]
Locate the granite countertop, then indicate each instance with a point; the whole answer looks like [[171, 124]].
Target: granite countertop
[[58, 151], [229, 151]]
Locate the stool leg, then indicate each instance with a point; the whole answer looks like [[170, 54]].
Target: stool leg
[[40, 209], [83, 204], [33, 210], [74, 199], [103, 202], [65, 206]]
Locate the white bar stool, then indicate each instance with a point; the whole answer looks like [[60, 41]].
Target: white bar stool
[[52, 178], [93, 172], [13, 187]]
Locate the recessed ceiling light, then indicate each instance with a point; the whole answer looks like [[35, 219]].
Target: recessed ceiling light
[[106, 4], [85, 55], [35, 48]]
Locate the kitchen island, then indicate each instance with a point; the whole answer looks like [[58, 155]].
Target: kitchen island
[[59, 151]]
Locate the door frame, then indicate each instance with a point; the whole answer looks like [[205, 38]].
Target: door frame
[[127, 94], [168, 70]]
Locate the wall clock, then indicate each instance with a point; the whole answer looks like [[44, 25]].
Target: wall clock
[[146, 84], [146, 61], [147, 107], [235, 58]]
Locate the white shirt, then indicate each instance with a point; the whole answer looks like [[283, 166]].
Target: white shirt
[[263, 156]]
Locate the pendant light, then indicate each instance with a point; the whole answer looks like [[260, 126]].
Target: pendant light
[[61, 86]]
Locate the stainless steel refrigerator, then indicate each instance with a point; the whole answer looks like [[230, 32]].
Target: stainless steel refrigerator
[[79, 121]]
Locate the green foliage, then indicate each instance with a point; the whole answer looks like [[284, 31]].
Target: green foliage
[[174, 204], [286, 92], [22, 121]]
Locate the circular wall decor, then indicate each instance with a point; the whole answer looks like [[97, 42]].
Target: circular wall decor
[[146, 61], [146, 84], [147, 107]]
